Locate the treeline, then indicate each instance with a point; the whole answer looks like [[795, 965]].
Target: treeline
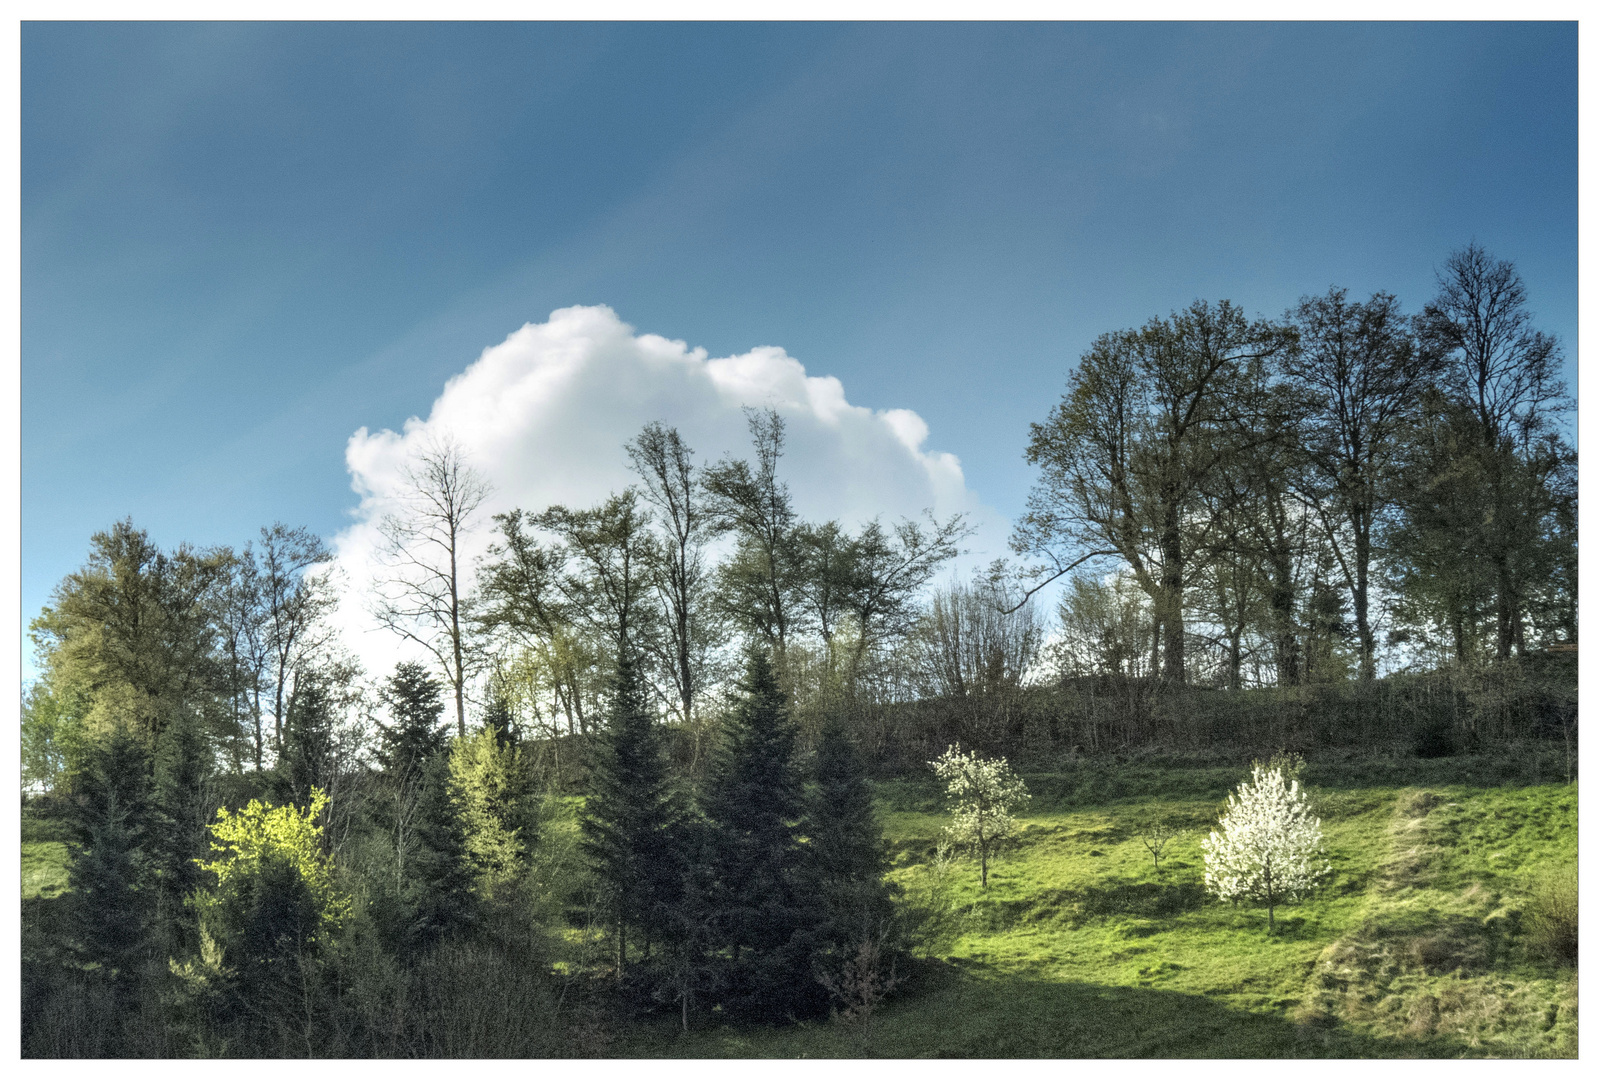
[[1233, 503], [1277, 501]]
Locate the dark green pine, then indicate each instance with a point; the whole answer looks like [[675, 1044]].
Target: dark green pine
[[438, 891], [631, 820], [109, 875], [179, 815], [307, 759]]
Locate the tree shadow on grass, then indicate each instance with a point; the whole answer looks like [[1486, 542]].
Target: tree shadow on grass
[[966, 1015]]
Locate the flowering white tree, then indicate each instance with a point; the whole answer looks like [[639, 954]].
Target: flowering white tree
[[1269, 847], [983, 790]]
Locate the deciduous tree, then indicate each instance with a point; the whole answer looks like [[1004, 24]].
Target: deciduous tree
[[422, 595]]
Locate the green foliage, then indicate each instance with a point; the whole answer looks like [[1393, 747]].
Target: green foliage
[[275, 894], [50, 729], [307, 760], [179, 807], [489, 785], [132, 634], [438, 879], [110, 880], [1552, 915], [845, 847]]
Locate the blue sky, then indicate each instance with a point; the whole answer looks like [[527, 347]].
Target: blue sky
[[241, 243]]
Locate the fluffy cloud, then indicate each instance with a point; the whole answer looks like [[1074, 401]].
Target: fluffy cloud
[[544, 416]]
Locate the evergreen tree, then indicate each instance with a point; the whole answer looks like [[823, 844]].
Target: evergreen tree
[[109, 875], [490, 787], [846, 852], [416, 703], [180, 807], [631, 820], [764, 918], [438, 889], [499, 719], [308, 743]]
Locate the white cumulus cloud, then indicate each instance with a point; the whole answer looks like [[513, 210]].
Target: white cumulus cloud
[[545, 414]]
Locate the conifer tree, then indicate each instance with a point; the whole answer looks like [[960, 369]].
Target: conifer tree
[[308, 738], [416, 703], [179, 812], [109, 878], [846, 852], [763, 916], [489, 785], [630, 821], [438, 891]]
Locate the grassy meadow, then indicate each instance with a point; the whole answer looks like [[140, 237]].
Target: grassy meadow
[[1421, 943]]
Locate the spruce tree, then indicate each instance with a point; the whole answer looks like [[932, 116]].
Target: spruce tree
[[631, 820], [765, 920], [109, 876], [308, 744], [438, 892], [179, 812], [416, 703], [847, 859]]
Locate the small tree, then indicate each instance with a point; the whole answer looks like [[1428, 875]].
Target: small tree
[[984, 791], [1156, 833], [1269, 847]]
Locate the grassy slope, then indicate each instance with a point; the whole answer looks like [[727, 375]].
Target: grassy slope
[[44, 859], [1079, 949]]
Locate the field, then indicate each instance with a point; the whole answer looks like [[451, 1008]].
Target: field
[[1422, 943]]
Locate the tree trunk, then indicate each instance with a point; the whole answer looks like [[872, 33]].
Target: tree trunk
[[1505, 609], [1362, 598], [1171, 590]]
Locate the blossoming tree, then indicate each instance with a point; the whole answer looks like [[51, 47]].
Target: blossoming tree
[[984, 791], [1269, 846]]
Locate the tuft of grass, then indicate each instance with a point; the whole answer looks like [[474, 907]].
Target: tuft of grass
[[1552, 916]]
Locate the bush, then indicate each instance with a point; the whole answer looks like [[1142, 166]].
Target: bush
[[1435, 740], [1552, 916]]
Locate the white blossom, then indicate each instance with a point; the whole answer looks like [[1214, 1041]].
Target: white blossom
[[984, 791], [1269, 846]]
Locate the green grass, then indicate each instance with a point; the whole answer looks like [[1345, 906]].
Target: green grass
[[1079, 949], [44, 869]]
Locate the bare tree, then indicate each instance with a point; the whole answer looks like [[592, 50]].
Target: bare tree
[[421, 598], [666, 465], [975, 641]]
